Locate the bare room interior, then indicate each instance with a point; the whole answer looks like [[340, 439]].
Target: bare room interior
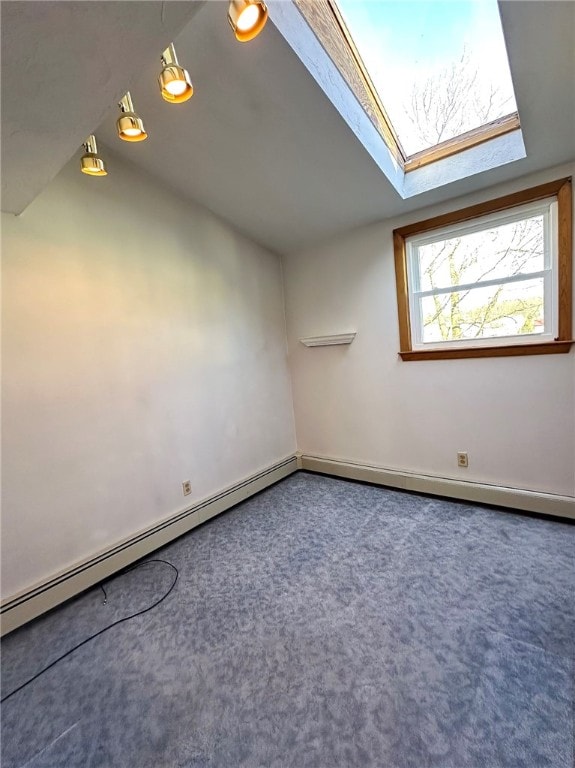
[[288, 384]]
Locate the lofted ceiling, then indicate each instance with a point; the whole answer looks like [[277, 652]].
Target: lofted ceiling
[[63, 64], [260, 143]]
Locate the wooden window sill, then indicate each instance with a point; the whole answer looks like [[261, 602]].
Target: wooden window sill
[[509, 350]]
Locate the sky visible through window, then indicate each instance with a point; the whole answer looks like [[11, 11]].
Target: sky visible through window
[[440, 68], [500, 275]]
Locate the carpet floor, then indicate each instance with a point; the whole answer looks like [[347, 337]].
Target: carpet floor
[[320, 624]]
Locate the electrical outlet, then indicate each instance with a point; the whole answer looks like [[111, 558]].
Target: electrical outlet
[[187, 488], [462, 459]]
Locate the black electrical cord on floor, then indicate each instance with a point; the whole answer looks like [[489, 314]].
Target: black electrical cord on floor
[[101, 632]]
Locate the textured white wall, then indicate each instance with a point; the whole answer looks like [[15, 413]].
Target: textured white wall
[[143, 345], [514, 416]]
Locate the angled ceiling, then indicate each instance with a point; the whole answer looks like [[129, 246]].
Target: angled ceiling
[[259, 143], [63, 64]]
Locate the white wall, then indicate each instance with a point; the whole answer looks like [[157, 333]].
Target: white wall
[[143, 345], [515, 416]]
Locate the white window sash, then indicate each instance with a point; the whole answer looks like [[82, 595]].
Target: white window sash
[[497, 219], [547, 209], [483, 284]]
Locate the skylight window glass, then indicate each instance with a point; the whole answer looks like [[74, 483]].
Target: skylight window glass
[[440, 69]]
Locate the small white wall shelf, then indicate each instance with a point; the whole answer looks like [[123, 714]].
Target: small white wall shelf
[[327, 341]]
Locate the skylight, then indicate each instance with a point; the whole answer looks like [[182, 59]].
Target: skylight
[[439, 68]]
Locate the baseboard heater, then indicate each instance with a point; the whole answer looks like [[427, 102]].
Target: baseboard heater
[[515, 498], [33, 602]]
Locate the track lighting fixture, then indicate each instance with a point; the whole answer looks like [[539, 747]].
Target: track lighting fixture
[[247, 18], [91, 163], [129, 124], [175, 83]]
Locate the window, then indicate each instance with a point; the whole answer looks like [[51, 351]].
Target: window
[[440, 68], [432, 76], [490, 280]]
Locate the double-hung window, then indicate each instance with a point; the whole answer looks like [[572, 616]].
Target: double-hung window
[[493, 279]]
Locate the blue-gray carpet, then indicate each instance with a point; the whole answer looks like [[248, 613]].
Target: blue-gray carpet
[[322, 623]]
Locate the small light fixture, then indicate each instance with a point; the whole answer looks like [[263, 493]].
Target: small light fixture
[[129, 124], [247, 18], [175, 83], [91, 163]]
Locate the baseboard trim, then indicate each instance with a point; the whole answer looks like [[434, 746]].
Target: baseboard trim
[[34, 601], [515, 498]]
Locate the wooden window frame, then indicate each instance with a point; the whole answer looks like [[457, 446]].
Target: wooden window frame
[[561, 190], [472, 138]]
